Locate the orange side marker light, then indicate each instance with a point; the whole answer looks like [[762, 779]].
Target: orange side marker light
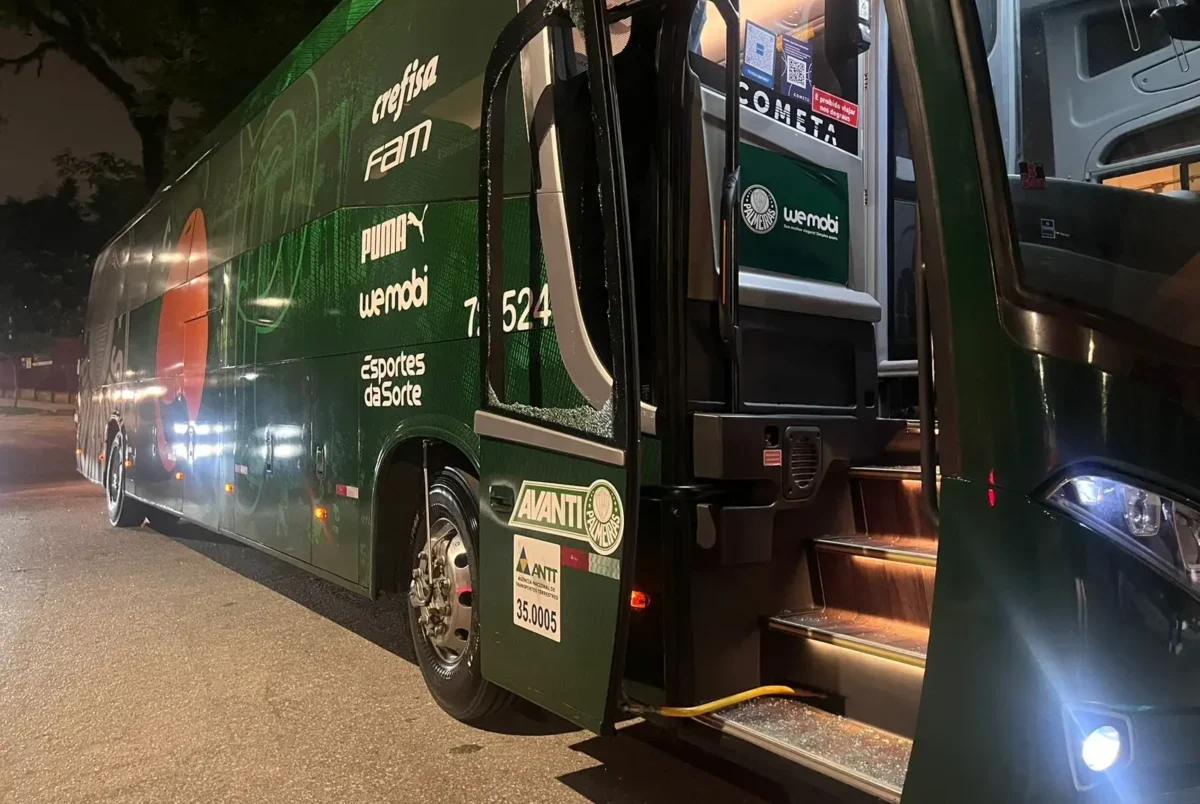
[[102, 457], [179, 475], [78, 452], [128, 464], [321, 513], [639, 600], [229, 488]]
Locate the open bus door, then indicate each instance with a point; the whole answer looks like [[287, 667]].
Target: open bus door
[[559, 468]]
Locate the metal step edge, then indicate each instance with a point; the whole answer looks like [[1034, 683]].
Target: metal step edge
[[900, 555], [908, 657], [888, 473], [814, 762]]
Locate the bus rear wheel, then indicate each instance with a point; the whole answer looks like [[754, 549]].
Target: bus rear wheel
[[123, 511], [444, 602]]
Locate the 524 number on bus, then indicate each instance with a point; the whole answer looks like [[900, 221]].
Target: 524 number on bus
[[518, 310]]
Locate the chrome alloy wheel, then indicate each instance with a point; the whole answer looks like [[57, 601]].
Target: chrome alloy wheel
[[115, 470], [442, 594]]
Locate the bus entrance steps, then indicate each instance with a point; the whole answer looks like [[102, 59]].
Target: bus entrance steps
[[886, 638], [918, 550], [868, 759]]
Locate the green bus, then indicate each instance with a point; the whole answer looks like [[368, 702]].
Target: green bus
[[640, 408]]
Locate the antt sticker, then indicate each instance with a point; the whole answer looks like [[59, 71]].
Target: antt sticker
[[537, 587]]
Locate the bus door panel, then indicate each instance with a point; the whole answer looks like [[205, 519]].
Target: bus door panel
[[204, 465], [272, 458], [559, 436], [334, 467]]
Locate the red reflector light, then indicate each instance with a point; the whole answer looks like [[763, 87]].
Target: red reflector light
[[639, 600], [321, 513]]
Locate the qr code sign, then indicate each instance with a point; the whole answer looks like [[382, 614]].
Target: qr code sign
[[797, 72], [759, 56]]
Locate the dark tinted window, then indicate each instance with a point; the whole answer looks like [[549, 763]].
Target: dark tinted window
[[1179, 132]]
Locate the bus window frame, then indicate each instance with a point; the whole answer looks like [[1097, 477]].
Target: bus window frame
[[931, 232], [1036, 322], [575, 343]]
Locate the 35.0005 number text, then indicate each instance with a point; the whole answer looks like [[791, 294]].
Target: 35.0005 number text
[[537, 616]]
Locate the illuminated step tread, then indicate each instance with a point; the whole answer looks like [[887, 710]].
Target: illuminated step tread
[[887, 473], [869, 759], [867, 633], [918, 550]]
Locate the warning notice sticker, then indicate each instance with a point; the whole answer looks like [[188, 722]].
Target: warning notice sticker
[[834, 108], [537, 587]]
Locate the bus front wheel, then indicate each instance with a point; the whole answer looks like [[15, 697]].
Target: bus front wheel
[[444, 601], [123, 511]]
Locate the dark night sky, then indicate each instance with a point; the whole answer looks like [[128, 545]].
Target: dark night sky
[[64, 108]]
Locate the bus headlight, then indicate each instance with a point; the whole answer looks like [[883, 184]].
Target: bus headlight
[[1163, 529], [1099, 744], [1101, 748]]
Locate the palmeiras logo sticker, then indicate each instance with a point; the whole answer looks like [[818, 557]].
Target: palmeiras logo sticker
[[602, 517], [592, 514], [759, 210]]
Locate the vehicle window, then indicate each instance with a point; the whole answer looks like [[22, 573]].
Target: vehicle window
[[1117, 36], [801, 20], [1170, 178], [791, 61], [1122, 245]]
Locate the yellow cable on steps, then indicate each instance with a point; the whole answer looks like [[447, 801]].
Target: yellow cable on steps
[[722, 703]]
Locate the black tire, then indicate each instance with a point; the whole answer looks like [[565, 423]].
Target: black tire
[[161, 520], [123, 510], [459, 687]]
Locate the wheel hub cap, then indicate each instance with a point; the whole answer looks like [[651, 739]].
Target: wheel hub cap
[[442, 595]]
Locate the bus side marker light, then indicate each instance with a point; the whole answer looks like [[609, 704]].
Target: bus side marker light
[[179, 475], [321, 513], [128, 464], [78, 452], [101, 457], [229, 488], [639, 600]]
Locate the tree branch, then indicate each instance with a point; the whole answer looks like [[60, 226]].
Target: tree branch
[[74, 44], [37, 55]]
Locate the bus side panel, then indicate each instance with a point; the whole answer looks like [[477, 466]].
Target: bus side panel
[[150, 478], [336, 480], [272, 457]]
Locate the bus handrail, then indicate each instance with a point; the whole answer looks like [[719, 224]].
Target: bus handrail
[[730, 332]]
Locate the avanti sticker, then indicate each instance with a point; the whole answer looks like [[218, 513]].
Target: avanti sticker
[[593, 514]]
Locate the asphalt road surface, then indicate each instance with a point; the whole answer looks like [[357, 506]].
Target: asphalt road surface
[[183, 667]]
